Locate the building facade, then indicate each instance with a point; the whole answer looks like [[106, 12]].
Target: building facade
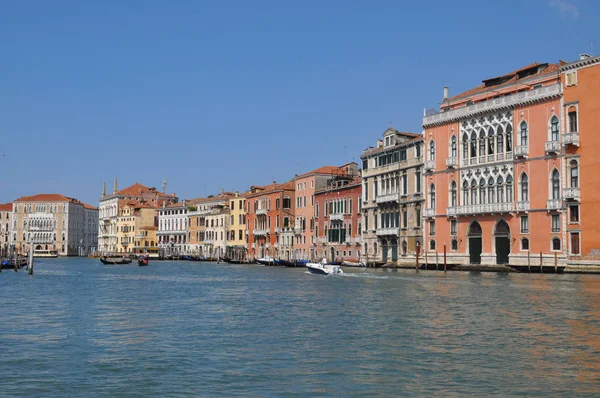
[[109, 210], [6, 211], [173, 231], [133, 218], [51, 222], [215, 236], [392, 198], [306, 185], [199, 209], [269, 208], [338, 219], [495, 165], [236, 229], [580, 110]]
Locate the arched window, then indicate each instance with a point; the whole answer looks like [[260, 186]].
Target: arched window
[[432, 244], [491, 190], [432, 196], [523, 135], [482, 143], [500, 189], [556, 244], [500, 139], [454, 245], [524, 187], [453, 146], [524, 244], [491, 141], [509, 138], [465, 193], [473, 192], [453, 194], [465, 143], [473, 145], [555, 184], [573, 174], [554, 129], [431, 150], [482, 191], [572, 119]]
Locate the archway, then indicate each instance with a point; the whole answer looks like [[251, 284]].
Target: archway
[[332, 254], [502, 240], [404, 248], [384, 251], [475, 243], [394, 249]]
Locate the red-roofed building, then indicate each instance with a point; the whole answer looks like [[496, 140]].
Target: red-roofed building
[[494, 167], [54, 223]]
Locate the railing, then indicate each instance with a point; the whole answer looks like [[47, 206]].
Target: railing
[[428, 212], [485, 208], [452, 211], [261, 212], [429, 165], [571, 138], [387, 231], [336, 217], [521, 150], [504, 102], [259, 232], [322, 240], [571, 193], [486, 159], [451, 161], [393, 197], [553, 204], [298, 230], [522, 205], [552, 146]]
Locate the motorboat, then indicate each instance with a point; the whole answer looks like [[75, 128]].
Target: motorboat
[[143, 261], [45, 253], [324, 269], [267, 261], [350, 263]]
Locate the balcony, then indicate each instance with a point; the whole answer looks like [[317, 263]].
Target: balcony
[[485, 208], [387, 232], [451, 162], [428, 213], [452, 211], [429, 165], [276, 245], [322, 240], [336, 217], [553, 204], [523, 205], [261, 212], [552, 146], [521, 151], [571, 138], [259, 232], [392, 197], [571, 193], [298, 230]]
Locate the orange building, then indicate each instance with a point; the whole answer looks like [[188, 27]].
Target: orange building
[[269, 209], [581, 109], [306, 185], [494, 171]]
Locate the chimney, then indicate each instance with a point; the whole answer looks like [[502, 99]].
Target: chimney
[[104, 189], [445, 93], [115, 186], [583, 56], [184, 201]]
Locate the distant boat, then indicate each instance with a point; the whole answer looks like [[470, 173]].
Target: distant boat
[[267, 261], [115, 261], [45, 254], [349, 263], [324, 269], [287, 263], [143, 260]]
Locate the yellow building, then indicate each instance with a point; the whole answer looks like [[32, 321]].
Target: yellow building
[[236, 230], [133, 217], [146, 241]]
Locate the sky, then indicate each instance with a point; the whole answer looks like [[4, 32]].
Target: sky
[[227, 94]]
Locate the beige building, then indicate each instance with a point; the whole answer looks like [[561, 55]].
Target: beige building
[[5, 228], [198, 210], [392, 198], [217, 223], [52, 222], [236, 229], [133, 217]]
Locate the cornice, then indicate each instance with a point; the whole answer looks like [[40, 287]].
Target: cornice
[[580, 63]]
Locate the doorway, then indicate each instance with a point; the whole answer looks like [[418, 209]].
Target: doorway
[[475, 243], [502, 240]]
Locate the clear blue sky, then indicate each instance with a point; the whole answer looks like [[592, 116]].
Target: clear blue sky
[[226, 94]]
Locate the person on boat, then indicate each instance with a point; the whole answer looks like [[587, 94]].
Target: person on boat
[[324, 261]]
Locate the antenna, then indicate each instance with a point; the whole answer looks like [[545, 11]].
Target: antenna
[[164, 185], [592, 47]]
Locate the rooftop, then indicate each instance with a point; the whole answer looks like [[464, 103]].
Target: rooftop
[[6, 207]]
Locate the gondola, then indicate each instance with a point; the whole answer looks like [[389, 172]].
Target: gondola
[[115, 261], [287, 263]]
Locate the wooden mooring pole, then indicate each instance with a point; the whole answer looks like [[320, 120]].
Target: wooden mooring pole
[[444, 256], [541, 263], [555, 262], [528, 261], [436, 261]]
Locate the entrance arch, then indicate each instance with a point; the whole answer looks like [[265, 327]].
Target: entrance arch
[[475, 243], [394, 249], [502, 240]]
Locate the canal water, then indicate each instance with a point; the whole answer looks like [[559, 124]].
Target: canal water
[[78, 328]]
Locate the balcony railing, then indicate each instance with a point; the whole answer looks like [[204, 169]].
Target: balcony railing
[[452, 211], [336, 217], [553, 204], [571, 138], [298, 230], [261, 212], [552, 146], [429, 165], [322, 240], [392, 197], [485, 208], [428, 212], [387, 231], [259, 232], [523, 205], [451, 161], [571, 193], [521, 151], [499, 157]]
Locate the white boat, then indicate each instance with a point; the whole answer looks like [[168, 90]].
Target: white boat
[[348, 263], [45, 253], [267, 261], [324, 269]]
